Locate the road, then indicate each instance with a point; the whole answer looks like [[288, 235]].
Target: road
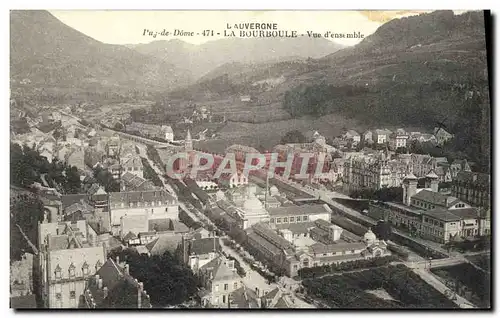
[[252, 278]]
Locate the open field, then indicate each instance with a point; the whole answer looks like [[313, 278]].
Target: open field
[[355, 290], [467, 281], [267, 135]]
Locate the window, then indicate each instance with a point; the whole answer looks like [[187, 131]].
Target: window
[[216, 300], [58, 272], [353, 251], [285, 220], [295, 267], [226, 286], [72, 294], [71, 271], [324, 254], [292, 219], [58, 288], [59, 296], [223, 299], [304, 218], [216, 288], [334, 253], [278, 220], [272, 220], [85, 268], [235, 285]]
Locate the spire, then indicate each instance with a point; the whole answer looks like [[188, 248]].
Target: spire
[[188, 136]]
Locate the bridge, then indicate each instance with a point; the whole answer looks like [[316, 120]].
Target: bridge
[[143, 140]]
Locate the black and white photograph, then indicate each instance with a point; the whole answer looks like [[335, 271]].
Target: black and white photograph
[[250, 160]]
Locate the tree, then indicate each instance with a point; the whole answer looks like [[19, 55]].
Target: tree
[[293, 137], [166, 279], [26, 211], [105, 178], [383, 230], [72, 182]]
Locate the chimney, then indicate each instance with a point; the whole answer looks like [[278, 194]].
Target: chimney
[[141, 286], [99, 283], [126, 269], [97, 279], [105, 291], [117, 260]]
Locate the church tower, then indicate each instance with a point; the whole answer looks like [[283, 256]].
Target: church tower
[[188, 143]]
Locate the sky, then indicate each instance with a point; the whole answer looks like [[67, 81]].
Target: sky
[[127, 27]]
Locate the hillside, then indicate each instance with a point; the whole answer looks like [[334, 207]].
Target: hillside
[[48, 54], [201, 59], [415, 71]]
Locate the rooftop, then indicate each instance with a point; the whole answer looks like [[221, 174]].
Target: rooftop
[[299, 210], [436, 198]]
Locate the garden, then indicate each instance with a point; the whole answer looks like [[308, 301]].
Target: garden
[[384, 287]]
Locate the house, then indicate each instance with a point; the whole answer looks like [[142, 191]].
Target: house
[[168, 133], [398, 139], [381, 136], [132, 164], [231, 181], [368, 137], [245, 98], [198, 252], [112, 286], [442, 136], [164, 243], [220, 280], [132, 182], [352, 135]]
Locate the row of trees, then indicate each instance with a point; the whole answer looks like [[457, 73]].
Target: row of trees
[[150, 173], [392, 194], [27, 166], [312, 272], [350, 289], [166, 279]]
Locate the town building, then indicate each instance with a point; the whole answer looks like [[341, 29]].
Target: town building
[[473, 187], [430, 214], [156, 204], [68, 256], [372, 171], [274, 247], [112, 286]]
